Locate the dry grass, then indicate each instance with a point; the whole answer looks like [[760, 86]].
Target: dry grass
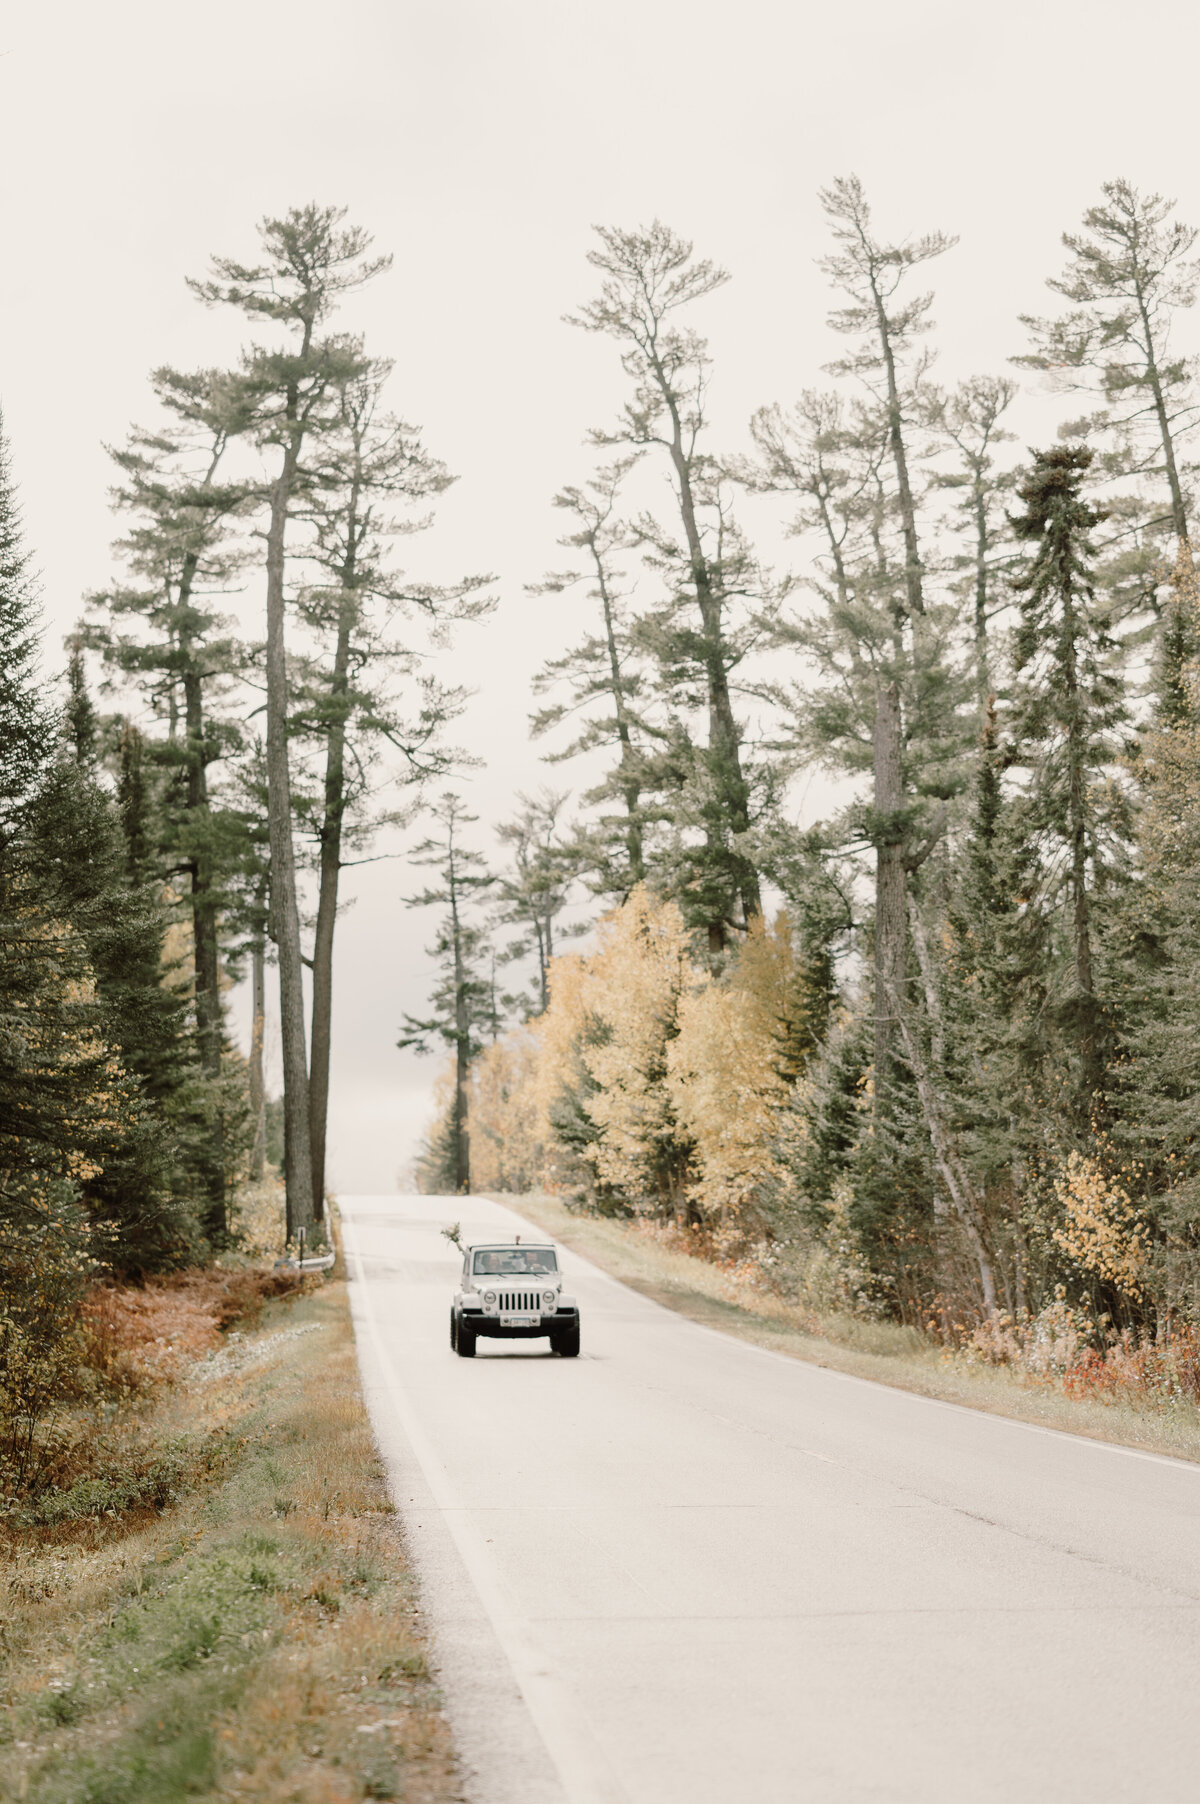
[[881, 1351], [257, 1638]]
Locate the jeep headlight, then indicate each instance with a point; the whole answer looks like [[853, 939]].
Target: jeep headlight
[[550, 1300], [489, 1299]]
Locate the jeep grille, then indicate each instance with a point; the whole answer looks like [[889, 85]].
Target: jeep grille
[[520, 1302]]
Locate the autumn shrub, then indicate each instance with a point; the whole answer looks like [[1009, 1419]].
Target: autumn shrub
[[1103, 1232], [1084, 1353], [123, 1342], [633, 984], [259, 1218], [46, 1263], [136, 1336]]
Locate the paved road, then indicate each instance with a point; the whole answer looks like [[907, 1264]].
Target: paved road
[[686, 1571]]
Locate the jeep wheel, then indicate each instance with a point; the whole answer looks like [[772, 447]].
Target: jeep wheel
[[453, 1330], [565, 1342], [464, 1344]]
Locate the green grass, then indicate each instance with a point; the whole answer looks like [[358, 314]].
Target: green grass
[[882, 1351], [233, 1634]]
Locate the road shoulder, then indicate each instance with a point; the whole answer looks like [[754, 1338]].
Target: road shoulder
[[879, 1352]]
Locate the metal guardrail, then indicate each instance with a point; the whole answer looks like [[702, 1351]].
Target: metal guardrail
[[316, 1262]]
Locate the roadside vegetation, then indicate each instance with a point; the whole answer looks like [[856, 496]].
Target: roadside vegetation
[[203, 1593], [213, 1601], [1057, 1384]]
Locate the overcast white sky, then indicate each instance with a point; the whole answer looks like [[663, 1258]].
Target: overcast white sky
[[480, 140]]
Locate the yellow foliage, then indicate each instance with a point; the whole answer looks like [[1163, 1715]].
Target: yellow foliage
[[561, 1033], [676, 1079], [634, 985], [507, 1122], [604, 1036], [727, 1071], [1103, 1231]]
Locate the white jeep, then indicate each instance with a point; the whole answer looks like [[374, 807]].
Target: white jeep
[[512, 1290]]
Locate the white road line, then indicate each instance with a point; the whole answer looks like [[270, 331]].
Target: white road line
[[575, 1752]]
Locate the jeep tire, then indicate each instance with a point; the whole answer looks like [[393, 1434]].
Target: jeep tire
[[464, 1341], [565, 1341]]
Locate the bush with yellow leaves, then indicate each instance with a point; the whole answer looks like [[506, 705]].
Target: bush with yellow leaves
[[1103, 1231]]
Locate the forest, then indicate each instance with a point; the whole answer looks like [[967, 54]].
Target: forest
[[195, 834], [932, 1057]]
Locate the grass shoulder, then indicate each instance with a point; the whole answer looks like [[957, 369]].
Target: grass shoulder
[[884, 1352], [246, 1627]]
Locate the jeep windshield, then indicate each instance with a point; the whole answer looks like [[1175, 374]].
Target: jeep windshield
[[515, 1262]]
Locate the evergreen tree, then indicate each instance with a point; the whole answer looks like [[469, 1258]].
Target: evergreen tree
[[889, 697], [532, 893], [288, 394], [893, 696], [462, 996], [163, 631], [25, 730], [606, 684], [76, 859], [969, 420], [365, 692], [870, 274], [702, 561], [1127, 275], [79, 718], [1068, 703], [436, 1165], [1153, 953]]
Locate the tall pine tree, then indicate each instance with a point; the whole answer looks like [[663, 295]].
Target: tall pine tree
[[1068, 704]]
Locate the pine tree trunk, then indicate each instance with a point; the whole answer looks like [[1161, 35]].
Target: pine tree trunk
[[331, 870], [1077, 827], [205, 950], [258, 1093], [1178, 506], [462, 1057], [891, 926], [963, 1197], [983, 680], [285, 911], [462, 1134], [630, 787], [723, 737], [908, 513]]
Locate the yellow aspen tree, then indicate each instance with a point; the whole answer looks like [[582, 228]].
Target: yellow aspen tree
[[730, 1074]]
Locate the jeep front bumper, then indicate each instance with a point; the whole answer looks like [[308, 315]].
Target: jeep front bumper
[[491, 1327]]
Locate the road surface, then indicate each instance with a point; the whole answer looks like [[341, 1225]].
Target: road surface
[[681, 1570]]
